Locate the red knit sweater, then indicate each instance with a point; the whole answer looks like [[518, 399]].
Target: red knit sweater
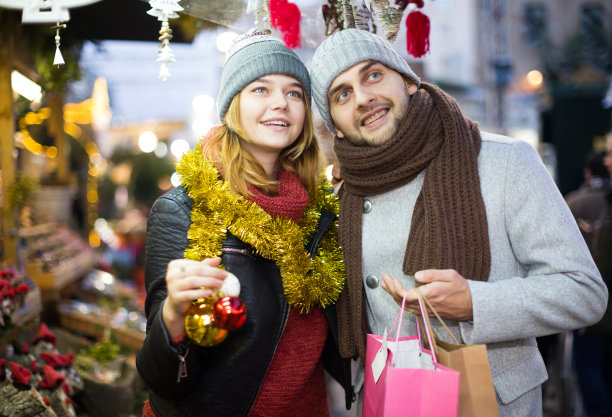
[[295, 383]]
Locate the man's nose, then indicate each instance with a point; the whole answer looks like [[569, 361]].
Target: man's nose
[[363, 96]]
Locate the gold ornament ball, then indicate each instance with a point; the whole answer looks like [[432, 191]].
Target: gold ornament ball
[[200, 324]]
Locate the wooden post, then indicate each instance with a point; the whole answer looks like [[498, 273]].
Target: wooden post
[[7, 146]]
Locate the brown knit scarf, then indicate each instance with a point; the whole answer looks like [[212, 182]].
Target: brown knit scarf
[[449, 225]]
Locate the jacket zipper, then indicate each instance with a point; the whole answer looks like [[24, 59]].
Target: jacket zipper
[[182, 368]]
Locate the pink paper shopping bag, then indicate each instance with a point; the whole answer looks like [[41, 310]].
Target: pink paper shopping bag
[[402, 378]]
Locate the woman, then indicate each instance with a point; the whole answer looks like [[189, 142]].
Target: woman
[[250, 203]]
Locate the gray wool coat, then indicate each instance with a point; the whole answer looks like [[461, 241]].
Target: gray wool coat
[[542, 281]]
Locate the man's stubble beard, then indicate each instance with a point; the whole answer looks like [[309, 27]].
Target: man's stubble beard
[[363, 141]]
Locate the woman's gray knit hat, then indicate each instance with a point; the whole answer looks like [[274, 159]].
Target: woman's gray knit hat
[[343, 50], [253, 55]]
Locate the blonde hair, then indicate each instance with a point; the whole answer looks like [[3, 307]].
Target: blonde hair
[[239, 168]]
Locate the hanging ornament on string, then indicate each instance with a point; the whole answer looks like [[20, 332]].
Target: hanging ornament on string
[[389, 17], [260, 8], [165, 55], [285, 17], [58, 59], [47, 11], [417, 30], [164, 10]]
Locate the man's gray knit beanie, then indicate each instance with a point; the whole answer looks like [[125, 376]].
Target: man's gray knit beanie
[[343, 50], [253, 55]]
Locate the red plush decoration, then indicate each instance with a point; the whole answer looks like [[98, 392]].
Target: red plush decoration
[[419, 3], [11, 271], [22, 288], [20, 374], [44, 334], [5, 290], [51, 378], [56, 360], [417, 34], [285, 17], [46, 401], [25, 348]]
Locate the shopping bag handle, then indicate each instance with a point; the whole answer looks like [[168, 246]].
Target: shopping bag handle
[[420, 293], [426, 324]]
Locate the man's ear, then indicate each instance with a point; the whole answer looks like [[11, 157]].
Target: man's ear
[[339, 134], [412, 88]]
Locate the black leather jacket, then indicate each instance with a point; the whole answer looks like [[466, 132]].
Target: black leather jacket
[[223, 380]]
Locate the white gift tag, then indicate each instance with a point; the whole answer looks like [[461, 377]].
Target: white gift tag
[[380, 360]]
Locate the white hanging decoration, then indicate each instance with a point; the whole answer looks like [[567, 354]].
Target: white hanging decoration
[[47, 11], [59, 59], [164, 10], [44, 11]]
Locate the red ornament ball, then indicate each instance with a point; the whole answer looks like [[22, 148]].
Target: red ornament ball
[[230, 313]]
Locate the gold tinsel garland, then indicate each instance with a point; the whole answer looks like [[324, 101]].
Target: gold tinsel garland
[[217, 209]]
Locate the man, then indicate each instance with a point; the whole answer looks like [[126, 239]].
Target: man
[[591, 345], [588, 203], [472, 217], [604, 235]]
